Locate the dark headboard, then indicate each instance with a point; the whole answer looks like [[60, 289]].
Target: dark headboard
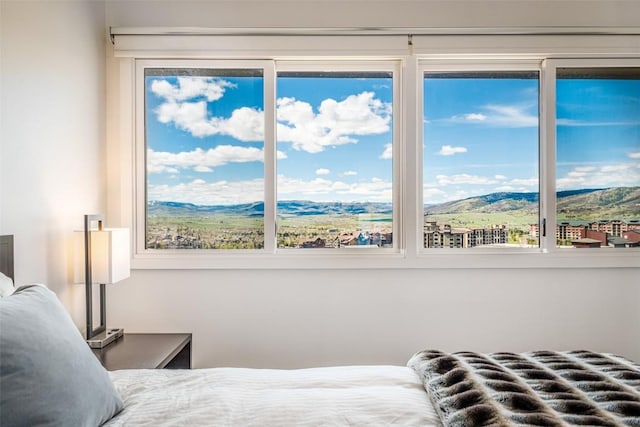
[[6, 256]]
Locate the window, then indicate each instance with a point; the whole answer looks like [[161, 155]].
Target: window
[[365, 152], [480, 152], [208, 164], [204, 134], [598, 157], [335, 159]]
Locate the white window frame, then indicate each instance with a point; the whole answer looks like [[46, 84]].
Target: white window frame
[[123, 205], [550, 67], [140, 187], [443, 50], [427, 65], [270, 69], [393, 66]]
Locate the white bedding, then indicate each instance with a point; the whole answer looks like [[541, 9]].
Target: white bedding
[[332, 396]]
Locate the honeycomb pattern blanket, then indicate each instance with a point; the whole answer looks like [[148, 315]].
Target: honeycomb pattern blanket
[[542, 388]]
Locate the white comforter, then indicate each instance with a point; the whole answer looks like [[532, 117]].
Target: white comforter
[[333, 396]]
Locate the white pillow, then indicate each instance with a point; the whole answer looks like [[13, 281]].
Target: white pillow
[[48, 374], [6, 286]]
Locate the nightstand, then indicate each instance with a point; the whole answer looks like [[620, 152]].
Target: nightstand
[[147, 351]]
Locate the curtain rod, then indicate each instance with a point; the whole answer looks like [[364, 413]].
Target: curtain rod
[[370, 31]]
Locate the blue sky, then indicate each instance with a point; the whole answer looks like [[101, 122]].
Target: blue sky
[[205, 134], [204, 137], [481, 135], [598, 133]]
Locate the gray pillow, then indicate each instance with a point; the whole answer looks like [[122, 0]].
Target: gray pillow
[[48, 374]]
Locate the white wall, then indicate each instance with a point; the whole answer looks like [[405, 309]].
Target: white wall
[[53, 115], [298, 318], [52, 134]]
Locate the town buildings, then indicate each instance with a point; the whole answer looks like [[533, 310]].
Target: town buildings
[[445, 236], [582, 234], [610, 232]]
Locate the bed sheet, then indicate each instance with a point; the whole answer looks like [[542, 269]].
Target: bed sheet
[[330, 396]]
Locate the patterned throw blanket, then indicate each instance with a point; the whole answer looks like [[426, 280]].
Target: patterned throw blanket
[[542, 388]]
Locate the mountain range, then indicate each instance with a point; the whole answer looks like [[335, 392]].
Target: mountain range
[[290, 208], [586, 203]]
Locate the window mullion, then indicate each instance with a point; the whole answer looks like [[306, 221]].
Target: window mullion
[[270, 156], [138, 155], [548, 157], [411, 158]]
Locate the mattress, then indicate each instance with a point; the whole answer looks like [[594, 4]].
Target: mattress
[[329, 396]]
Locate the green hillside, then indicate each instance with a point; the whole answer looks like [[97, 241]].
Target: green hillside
[[611, 203], [518, 210]]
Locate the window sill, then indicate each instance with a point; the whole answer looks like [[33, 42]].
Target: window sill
[[452, 259]]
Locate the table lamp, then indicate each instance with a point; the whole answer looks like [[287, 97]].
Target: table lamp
[[102, 257]]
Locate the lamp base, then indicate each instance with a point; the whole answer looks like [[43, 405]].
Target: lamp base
[[105, 338]]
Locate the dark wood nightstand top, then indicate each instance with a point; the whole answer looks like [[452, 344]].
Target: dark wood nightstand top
[[147, 351]]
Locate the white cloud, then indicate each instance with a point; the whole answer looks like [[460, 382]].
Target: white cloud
[[580, 123], [201, 168], [448, 150], [518, 184], [509, 116], [203, 160], [611, 175], [614, 168], [524, 182], [349, 173], [210, 88], [463, 181], [321, 189], [464, 178], [585, 169], [157, 166], [233, 192], [323, 171], [634, 155], [185, 105], [475, 117], [201, 192], [387, 154], [335, 124], [579, 172], [432, 195], [245, 124]]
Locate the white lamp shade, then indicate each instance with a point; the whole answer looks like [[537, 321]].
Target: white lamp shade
[[110, 255]]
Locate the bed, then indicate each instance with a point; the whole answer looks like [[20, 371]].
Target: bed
[[49, 376]]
